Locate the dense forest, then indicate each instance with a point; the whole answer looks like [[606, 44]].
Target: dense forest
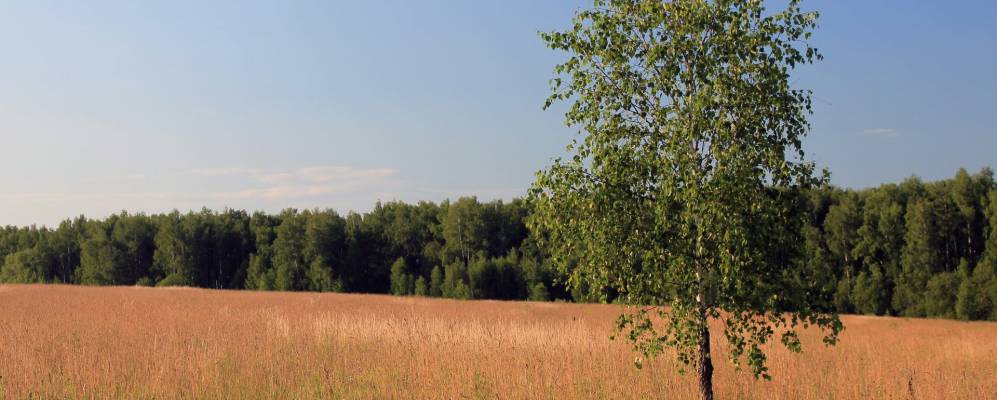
[[912, 249], [459, 249]]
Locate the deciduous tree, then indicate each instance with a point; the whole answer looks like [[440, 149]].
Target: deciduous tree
[[683, 194]]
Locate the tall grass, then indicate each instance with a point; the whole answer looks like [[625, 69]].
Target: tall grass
[[80, 342]]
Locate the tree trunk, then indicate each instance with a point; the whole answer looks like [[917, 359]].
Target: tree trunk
[[705, 365]]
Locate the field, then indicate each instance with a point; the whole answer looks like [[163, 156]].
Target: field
[[125, 342]]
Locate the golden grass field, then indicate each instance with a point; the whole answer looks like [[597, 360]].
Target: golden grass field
[[130, 342]]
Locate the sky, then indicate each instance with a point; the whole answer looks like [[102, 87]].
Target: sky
[[262, 105]]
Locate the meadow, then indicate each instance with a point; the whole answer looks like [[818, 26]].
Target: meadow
[[132, 342]]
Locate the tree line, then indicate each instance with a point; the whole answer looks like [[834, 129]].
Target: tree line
[[919, 249], [461, 249]]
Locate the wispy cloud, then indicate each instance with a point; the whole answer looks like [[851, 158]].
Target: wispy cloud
[[339, 186], [882, 132], [225, 171], [299, 183]]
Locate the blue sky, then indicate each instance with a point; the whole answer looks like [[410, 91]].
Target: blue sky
[[154, 105]]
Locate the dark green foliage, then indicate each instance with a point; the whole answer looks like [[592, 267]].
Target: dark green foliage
[[843, 296], [102, 261], [133, 237], [232, 249], [233, 244], [841, 227], [496, 278], [400, 278], [922, 248], [940, 295], [289, 258], [420, 287], [64, 244], [977, 297], [145, 281], [455, 280], [685, 186], [980, 300], [25, 266], [436, 282], [461, 291], [817, 266], [967, 295], [260, 274], [174, 280], [869, 295], [538, 292], [918, 259], [173, 258], [325, 238]]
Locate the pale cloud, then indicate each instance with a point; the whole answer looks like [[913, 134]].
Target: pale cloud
[[309, 180], [334, 173], [882, 132], [299, 183], [283, 192], [213, 172], [338, 186], [306, 182]]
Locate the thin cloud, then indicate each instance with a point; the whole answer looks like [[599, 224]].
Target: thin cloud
[[882, 132], [345, 187], [341, 187], [215, 172], [329, 176], [300, 183]]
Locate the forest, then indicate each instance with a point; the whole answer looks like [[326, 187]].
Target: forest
[[916, 249]]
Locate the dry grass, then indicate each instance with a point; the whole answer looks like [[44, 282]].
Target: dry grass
[[78, 342]]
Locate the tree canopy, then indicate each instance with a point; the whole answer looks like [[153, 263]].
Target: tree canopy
[[233, 249], [686, 187]]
